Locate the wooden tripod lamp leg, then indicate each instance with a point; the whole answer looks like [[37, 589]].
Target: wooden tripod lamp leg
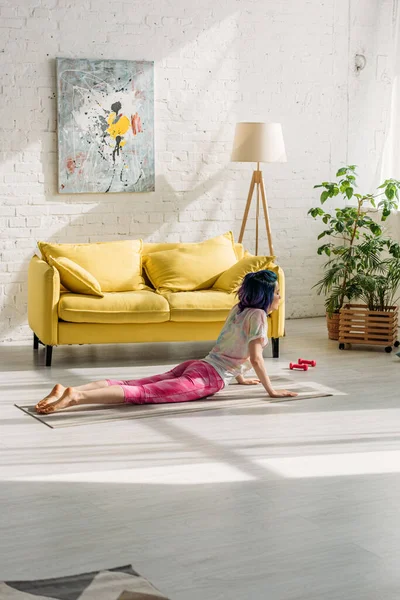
[[257, 215], [266, 215], [246, 210]]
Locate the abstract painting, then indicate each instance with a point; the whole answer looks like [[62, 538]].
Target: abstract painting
[[105, 126]]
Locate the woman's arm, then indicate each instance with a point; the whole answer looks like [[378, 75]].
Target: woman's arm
[[257, 362]]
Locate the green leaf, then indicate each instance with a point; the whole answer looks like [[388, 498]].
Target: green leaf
[[324, 197], [316, 212], [341, 171], [389, 192], [394, 250], [349, 192], [321, 235], [339, 227], [374, 227]]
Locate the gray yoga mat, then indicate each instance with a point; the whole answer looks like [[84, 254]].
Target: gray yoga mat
[[121, 583], [233, 396]]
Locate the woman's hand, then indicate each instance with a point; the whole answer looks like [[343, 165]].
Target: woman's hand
[[249, 382], [282, 394]]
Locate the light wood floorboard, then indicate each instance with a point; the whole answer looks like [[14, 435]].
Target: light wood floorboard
[[297, 501]]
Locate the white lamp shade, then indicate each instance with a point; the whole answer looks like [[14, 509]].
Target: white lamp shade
[[258, 142]]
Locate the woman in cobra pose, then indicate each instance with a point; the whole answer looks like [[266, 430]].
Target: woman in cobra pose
[[238, 348]]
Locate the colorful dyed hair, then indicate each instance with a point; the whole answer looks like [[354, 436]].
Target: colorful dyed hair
[[257, 290]]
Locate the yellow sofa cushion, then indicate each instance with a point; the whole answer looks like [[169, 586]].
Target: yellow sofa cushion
[[231, 279], [150, 247], [117, 266], [200, 306], [75, 278], [140, 306], [190, 266]]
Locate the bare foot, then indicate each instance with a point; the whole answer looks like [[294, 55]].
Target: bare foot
[[54, 395], [69, 398]]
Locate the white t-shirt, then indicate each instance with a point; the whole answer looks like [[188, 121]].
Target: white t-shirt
[[230, 355]]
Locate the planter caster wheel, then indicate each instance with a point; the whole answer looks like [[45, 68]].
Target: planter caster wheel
[[397, 344], [388, 349], [341, 346]]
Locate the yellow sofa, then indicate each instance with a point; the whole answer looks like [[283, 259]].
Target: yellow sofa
[[142, 314]]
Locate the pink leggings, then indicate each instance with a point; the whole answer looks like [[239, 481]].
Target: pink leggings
[[191, 380]]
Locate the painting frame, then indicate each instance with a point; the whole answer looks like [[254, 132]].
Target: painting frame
[[105, 126]]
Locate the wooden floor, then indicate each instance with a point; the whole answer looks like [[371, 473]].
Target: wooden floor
[[297, 501]]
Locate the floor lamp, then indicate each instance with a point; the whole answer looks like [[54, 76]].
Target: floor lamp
[[258, 142]]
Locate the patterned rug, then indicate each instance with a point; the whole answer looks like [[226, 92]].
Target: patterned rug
[[121, 583], [233, 396]]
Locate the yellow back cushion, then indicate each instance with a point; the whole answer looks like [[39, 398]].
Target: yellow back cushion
[[75, 278], [239, 250], [230, 280], [190, 266], [150, 247], [117, 266]]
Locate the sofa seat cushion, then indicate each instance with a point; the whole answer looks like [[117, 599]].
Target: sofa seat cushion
[[202, 305], [139, 306]]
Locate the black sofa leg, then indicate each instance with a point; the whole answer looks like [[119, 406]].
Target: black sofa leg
[[35, 341], [275, 347], [49, 353]]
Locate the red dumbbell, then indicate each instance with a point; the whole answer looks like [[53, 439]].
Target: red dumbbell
[[296, 366], [303, 361]]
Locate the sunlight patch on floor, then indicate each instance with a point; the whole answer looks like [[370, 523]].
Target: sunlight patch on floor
[[334, 465], [193, 474]]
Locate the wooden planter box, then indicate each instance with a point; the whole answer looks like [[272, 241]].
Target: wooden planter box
[[358, 325]]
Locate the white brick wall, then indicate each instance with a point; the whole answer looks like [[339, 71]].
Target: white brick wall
[[370, 92], [215, 64], [372, 34]]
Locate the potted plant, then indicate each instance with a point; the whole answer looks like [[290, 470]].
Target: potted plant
[[376, 284], [353, 233]]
